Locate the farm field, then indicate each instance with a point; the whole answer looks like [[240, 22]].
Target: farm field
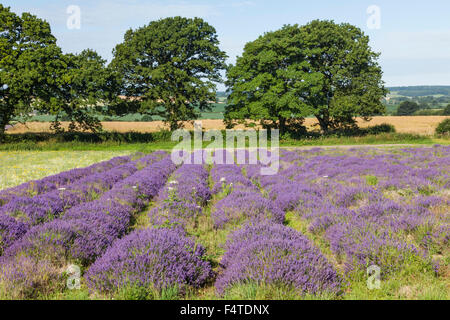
[[140, 227], [17, 167], [424, 125]]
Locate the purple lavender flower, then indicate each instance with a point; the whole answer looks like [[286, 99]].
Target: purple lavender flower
[[180, 202], [46, 207], [86, 231], [241, 206], [60, 180], [10, 231], [274, 254], [153, 259]]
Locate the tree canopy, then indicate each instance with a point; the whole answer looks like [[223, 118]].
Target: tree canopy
[[27, 52], [81, 90], [323, 69], [447, 110], [270, 81], [35, 75], [351, 83], [407, 108], [169, 67]]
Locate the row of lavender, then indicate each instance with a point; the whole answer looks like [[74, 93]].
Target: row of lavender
[[22, 213], [32, 266], [162, 257], [263, 251], [383, 208], [387, 209], [47, 184]]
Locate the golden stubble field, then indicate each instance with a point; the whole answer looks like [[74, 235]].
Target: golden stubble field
[[424, 125]]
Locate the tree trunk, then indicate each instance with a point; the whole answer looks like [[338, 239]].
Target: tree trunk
[[2, 133], [282, 125], [4, 120], [174, 125], [324, 123]]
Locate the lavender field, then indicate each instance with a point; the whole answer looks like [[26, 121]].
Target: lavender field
[[140, 227]]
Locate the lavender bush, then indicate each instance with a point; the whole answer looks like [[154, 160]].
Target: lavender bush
[[241, 206], [271, 254], [152, 260], [181, 201], [87, 230], [371, 207], [29, 212], [242, 200], [355, 208], [60, 180]]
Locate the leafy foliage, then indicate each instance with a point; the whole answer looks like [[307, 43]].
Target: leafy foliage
[[351, 79], [407, 108], [443, 127], [322, 68], [447, 110], [36, 76], [86, 82], [27, 61], [168, 67], [270, 81]]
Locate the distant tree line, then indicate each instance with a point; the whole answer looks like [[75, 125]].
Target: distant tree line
[[409, 108], [421, 91], [170, 69], [427, 105]]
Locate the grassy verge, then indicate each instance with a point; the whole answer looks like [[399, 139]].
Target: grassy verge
[[17, 167], [87, 146], [167, 144], [379, 139], [411, 282]]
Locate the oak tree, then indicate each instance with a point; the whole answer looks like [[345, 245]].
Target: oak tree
[[169, 69]]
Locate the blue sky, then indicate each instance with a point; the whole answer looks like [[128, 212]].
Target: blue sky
[[414, 36]]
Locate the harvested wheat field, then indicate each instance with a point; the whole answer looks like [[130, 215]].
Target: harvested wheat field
[[424, 125]]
